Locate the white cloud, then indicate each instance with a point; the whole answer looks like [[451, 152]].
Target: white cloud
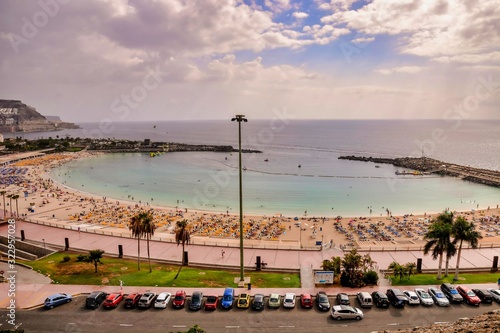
[[361, 40], [470, 58], [300, 15], [402, 69]]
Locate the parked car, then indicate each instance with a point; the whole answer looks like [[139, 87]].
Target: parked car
[[211, 302], [397, 298], [258, 302], [243, 301], [412, 297], [425, 298], [469, 296], [484, 295], [227, 298], [196, 300], [131, 300], [56, 300], [274, 301], [365, 299], [343, 299], [340, 312], [380, 299], [289, 300], [113, 300], [179, 299], [495, 293], [451, 293], [95, 299], [146, 299], [322, 301], [438, 297], [306, 301], [162, 300]]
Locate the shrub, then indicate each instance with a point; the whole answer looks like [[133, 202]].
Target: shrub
[[370, 277], [81, 257], [66, 258]]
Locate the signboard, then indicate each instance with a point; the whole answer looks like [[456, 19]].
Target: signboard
[[323, 277]]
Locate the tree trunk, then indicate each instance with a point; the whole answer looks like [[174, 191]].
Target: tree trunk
[[17, 210], [440, 267], [138, 253], [4, 208], [457, 268], [10, 208], [149, 258], [446, 265], [182, 263], [95, 265]]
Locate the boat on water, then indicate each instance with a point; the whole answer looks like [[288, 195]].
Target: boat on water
[[244, 168], [266, 160], [411, 173], [154, 154]]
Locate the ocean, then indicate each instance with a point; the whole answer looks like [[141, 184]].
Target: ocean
[[321, 186]]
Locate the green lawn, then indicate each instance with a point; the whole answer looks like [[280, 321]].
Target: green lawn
[[430, 279], [113, 270]]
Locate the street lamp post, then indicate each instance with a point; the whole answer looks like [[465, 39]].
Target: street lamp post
[[43, 239], [240, 118]]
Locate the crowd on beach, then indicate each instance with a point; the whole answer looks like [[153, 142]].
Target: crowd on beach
[[42, 194]]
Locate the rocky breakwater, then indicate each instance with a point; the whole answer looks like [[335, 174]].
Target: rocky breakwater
[[222, 149], [430, 165], [485, 323]]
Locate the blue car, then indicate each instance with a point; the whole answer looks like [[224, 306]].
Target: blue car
[[57, 299], [228, 298]]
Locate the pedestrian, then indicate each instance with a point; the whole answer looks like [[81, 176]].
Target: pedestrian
[[222, 253]]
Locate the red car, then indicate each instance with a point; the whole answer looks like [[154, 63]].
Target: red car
[[306, 301], [469, 296], [211, 302], [131, 300], [179, 299], [113, 300]]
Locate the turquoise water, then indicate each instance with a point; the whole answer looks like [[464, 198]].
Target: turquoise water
[[323, 186]]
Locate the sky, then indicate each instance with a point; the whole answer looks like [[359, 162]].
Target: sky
[[143, 60]]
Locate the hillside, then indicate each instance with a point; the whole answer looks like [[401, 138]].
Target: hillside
[[15, 116]]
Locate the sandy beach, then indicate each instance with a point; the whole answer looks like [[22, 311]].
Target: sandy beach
[[42, 199]]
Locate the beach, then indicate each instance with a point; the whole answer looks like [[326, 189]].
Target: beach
[[44, 200]]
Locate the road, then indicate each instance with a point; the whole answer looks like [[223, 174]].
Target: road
[[73, 317]]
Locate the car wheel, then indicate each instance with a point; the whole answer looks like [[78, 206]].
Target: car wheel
[[51, 307], [69, 300], [339, 318], [358, 318]]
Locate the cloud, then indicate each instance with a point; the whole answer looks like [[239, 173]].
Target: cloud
[[402, 69], [470, 58], [361, 40], [300, 15]]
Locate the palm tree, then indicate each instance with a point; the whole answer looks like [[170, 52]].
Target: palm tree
[[94, 257], [464, 231], [149, 228], [15, 197], [135, 225], [437, 240], [450, 248], [10, 199], [367, 262], [182, 235], [4, 208], [411, 268]]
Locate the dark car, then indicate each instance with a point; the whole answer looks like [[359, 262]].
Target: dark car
[[95, 299], [196, 300], [258, 302], [451, 293], [179, 299], [469, 296], [322, 301], [343, 299], [380, 299], [397, 298], [132, 299], [484, 295]]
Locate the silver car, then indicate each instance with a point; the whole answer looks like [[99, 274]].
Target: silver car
[[340, 312], [495, 293], [412, 297], [425, 298], [438, 297]]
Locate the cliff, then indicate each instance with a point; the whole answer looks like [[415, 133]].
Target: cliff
[[16, 116]]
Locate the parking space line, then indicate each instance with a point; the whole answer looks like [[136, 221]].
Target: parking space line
[[178, 326], [232, 327], [126, 325]]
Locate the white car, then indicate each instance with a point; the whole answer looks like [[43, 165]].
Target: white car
[[425, 298], [412, 297], [289, 300], [162, 300], [495, 293]]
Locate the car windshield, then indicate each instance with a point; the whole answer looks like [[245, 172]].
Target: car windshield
[[453, 292], [179, 298], [227, 297], [273, 299], [439, 294], [425, 295], [211, 299], [288, 300], [195, 298], [470, 293], [323, 299], [242, 301]]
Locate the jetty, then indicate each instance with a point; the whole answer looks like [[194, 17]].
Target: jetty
[[428, 165]]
